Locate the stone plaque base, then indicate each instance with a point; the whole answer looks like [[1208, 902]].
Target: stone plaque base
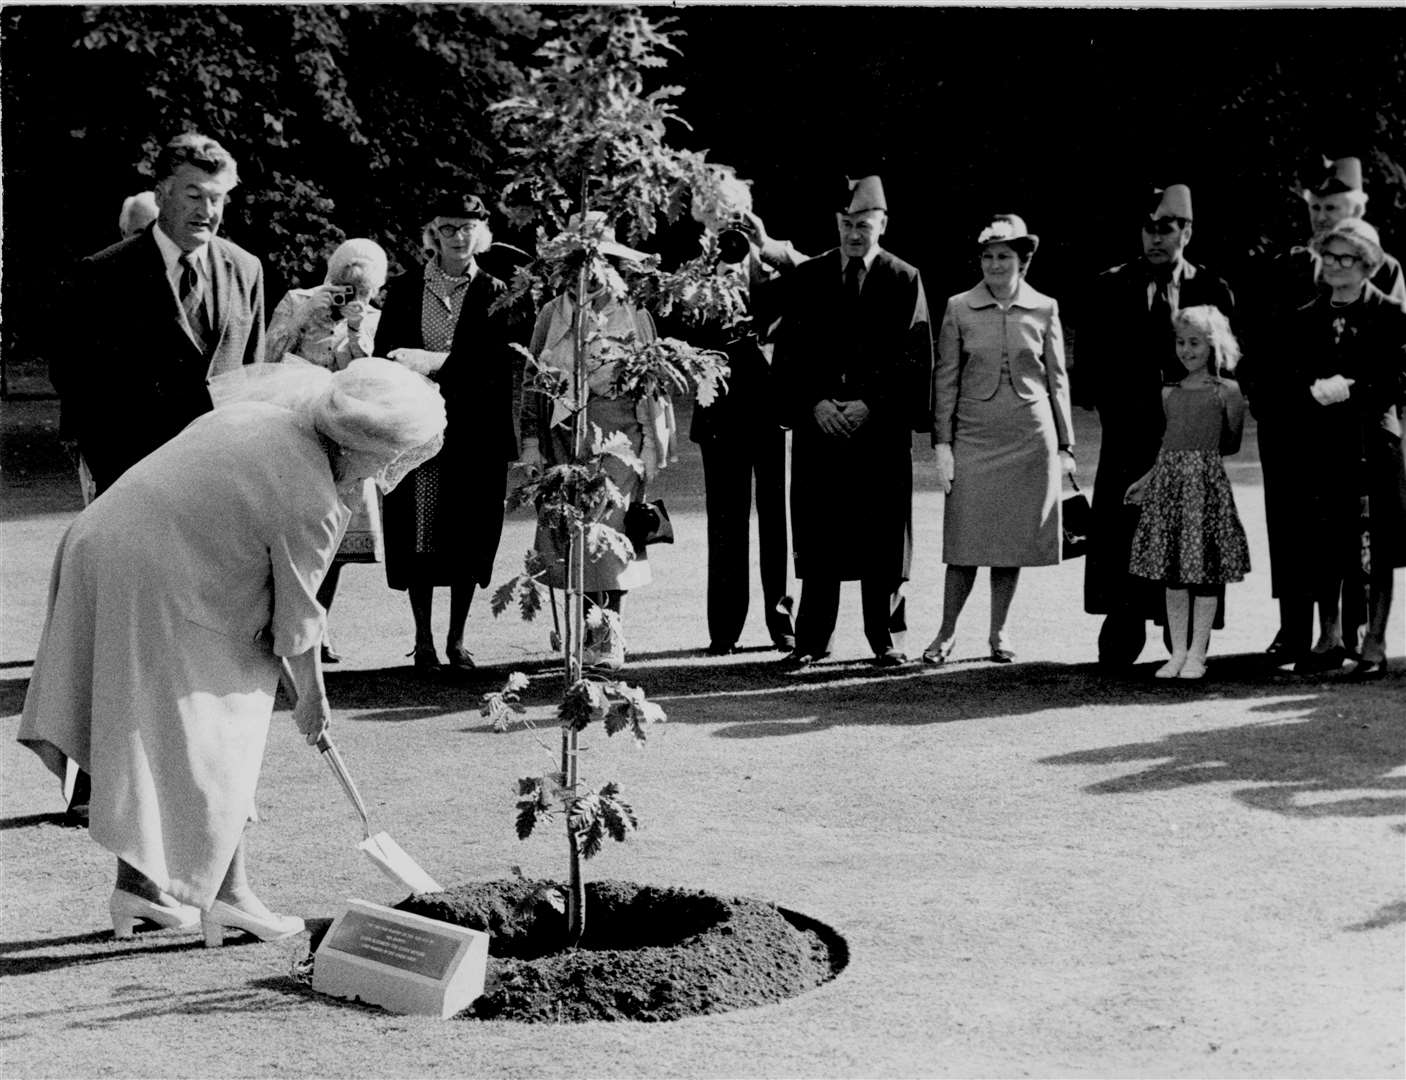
[[404, 963]]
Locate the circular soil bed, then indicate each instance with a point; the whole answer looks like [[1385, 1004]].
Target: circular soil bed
[[647, 954]]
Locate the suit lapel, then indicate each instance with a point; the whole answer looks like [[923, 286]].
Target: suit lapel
[[166, 306]]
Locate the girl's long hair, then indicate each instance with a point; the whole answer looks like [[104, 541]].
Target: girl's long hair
[[1208, 319]]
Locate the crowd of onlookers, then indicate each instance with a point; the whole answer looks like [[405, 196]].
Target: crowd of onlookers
[[227, 492]]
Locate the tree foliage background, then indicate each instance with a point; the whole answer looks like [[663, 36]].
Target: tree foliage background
[[344, 118]]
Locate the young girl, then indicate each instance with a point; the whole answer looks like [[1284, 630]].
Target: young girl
[[1189, 535]]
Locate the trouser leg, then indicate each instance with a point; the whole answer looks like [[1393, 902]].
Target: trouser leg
[[815, 619], [885, 614], [727, 480], [770, 470]]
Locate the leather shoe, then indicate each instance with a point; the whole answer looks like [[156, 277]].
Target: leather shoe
[[784, 642], [460, 658], [426, 659], [266, 926], [1366, 670], [329, 656], [797, 661], [718, 649], [1319, 663], [127, 909], [890, 658], [1001, 655]]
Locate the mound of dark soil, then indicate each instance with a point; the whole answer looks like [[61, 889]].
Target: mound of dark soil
[[647, 954]]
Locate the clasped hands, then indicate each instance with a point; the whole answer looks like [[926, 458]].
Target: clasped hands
[[1333, 390], [840, 419]]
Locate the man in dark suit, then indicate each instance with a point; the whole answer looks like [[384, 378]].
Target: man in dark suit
[[1126, 352], [853, 362], [154, 316]]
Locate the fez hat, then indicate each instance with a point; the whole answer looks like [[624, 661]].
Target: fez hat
[[1339, 176], [864, 193], [466, 206], [595, 223], [1170, 202], [1009, 229]]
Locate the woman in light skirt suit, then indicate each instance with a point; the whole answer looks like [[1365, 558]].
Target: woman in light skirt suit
[[1001, 430]]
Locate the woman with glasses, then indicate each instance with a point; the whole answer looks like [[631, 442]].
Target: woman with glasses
[[1339, 387], [444, 523]]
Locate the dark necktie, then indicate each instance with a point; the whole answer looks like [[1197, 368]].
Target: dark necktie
[[193, 300], [852, 269]]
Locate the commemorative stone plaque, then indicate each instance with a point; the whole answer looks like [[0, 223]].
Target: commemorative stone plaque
[[402, 962]]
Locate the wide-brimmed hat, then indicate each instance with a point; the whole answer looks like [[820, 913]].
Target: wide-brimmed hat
[[1009, 229], [594, 223], [1344, 174], [864, 193], [1173, 201]]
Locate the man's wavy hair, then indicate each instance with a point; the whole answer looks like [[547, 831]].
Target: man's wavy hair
[[199, 150]]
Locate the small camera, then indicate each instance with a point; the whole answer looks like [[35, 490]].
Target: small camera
[[341, 294], [733, 246]]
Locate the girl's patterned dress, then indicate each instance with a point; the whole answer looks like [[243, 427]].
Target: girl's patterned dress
[[1189, 533]]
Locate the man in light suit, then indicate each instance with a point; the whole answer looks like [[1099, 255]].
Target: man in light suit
[[154, 316], [853, 364]]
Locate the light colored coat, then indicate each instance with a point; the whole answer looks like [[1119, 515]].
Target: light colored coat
[[171, 598]]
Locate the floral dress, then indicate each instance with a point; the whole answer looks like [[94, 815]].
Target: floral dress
[[1189, 532]]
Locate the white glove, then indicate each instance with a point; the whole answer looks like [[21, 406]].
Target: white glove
[[424, 361], [1332, 390]]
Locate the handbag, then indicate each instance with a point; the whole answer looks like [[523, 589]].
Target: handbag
[[648, 523], [1076, 520]]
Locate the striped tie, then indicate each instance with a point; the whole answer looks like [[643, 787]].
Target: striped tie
[[193, 300]]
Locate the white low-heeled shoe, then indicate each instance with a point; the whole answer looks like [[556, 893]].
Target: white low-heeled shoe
[[272, 927], [128, 909]]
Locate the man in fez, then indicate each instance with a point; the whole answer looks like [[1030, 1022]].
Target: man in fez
[[852, 365], [155, 315], [1126, 352], [1292, 279]]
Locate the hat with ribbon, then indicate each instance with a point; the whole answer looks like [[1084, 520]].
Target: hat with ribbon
[[1344, 174], [864, 193], [1009, 229]]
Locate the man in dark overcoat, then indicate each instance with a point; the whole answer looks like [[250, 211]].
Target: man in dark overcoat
[[156, 315], [1126, 353], [853, 362], [444, 521], [1290, 281]]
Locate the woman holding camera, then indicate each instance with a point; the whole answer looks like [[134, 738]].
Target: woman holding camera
[[330, 326]]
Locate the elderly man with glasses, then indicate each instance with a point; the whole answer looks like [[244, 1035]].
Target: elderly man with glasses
[[1124, 353]]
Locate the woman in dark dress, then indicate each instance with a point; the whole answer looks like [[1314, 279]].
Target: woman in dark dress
[[1340, 387], [444, 522]]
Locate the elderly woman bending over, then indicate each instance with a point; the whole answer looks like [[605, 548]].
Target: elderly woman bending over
[[175, 600], [1002, 432]]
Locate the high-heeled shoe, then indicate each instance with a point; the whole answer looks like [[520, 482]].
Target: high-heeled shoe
[[266, 927], [938, 651], [128, 909]]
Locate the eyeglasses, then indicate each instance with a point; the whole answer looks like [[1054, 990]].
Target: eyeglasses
[[449, 232], [1348, 261], [1162, 226]]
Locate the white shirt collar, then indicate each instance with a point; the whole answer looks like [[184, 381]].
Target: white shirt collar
[[171, 253]]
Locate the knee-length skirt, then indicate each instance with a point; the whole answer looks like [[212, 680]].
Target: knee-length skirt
[[1004, 508], [1189, 532]]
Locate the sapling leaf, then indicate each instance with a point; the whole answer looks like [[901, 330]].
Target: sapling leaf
[[602, 540], [503, 597]]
